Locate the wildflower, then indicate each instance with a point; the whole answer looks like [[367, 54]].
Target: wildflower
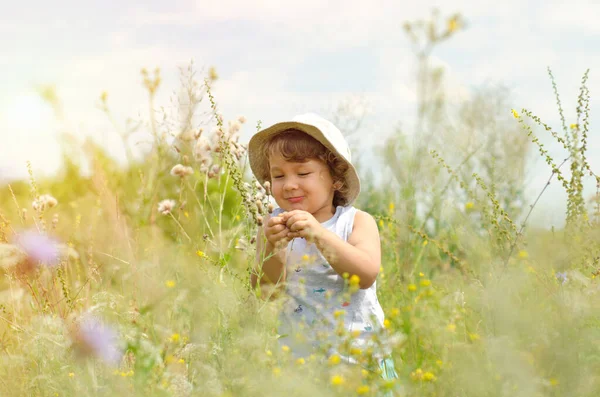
[[268, 188], [574, 126], [181, 361], [554, 382], [421, 274], [394, 312], [425, 283], [212, 74], [39, 248], [174, 338], [381, 224], [276, 371], [429, 377], [425, 242], [392, 207], [355, 351], [452, 25], [305, 258], [269, 353], [562, 277], [170, 283], [71, 374], [200, 254], [523, 254], [300, 361], [181, 170], [364, 389], [44, 202], [412, 287], [338, 313], [387, 323], [354, 280], [469, 205], [515, 114], [93, 338], [285, 348], [474, 337], [337, 380], [334, 359], [451, 327], [166, 206], [417, 374]]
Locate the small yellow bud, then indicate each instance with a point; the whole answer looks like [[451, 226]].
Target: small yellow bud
[[334, 360], [337, 380]]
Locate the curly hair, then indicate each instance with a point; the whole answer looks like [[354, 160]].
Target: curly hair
[[295, 145]]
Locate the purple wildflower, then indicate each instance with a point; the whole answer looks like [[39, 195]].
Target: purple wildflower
[[39, 248], [99, 340], [562, 277]]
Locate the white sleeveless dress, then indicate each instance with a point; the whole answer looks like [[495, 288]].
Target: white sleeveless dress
[[315, 293]]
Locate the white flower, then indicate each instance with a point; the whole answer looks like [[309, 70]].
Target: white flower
[[182, 170], [166, 206], [44, 202]]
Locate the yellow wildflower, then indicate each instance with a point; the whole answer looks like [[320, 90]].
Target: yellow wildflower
[[356, 333], [452, 25], [181, 361], [200, 254], [174, 338], [338, 313], [392, 207], [394, 312], [354, 280], [334, 360], [421, 274], [425, 283], [515, 114], [574, 126], [412, 287], [355, 351], [381, 224], [364, 389], [425, 242], [305, 258], [474, 337], [364, 373], [554, 382], [269, 353], [337, 380], [387, 323], [451, 327], [276, 371], [469, 205], [170, 283], [300, 361], [285, 348], [429, 377], [523, 254], [71, 374]]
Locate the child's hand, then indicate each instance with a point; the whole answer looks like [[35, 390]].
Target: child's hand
[[302, 224], [276, 231]]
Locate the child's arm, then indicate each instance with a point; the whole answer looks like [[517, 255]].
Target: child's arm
[[269, 260], [360, 256]]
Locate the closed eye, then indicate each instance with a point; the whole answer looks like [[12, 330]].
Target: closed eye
[[304, 174]]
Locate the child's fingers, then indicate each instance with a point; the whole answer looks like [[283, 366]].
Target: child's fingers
[[276, 220]]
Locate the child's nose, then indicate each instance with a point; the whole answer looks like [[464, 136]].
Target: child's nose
[[290, 184]]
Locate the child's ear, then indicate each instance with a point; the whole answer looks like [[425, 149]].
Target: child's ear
[[337, 185]]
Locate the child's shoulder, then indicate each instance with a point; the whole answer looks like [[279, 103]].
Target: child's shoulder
[[361, 217]]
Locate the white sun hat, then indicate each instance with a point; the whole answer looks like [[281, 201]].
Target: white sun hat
[[315, 126]]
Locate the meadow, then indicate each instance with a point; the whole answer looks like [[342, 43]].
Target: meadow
[[135, 280]]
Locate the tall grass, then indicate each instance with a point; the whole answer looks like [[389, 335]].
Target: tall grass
[[476, 302]]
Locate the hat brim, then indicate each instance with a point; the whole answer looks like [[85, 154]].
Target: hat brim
[[260, 164]]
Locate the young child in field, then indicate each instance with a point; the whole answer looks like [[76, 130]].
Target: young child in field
[[316, 237]]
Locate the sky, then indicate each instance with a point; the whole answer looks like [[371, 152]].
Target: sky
[[276, 61]]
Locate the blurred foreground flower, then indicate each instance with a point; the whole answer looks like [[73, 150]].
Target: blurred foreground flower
[[562, 277], [94, 339], [181, 170], [166, 206], [39, 248], [44, 202]]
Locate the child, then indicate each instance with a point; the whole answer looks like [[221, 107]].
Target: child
[[316, 237]]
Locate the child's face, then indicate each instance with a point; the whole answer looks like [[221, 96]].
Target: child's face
[[304, 186]]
